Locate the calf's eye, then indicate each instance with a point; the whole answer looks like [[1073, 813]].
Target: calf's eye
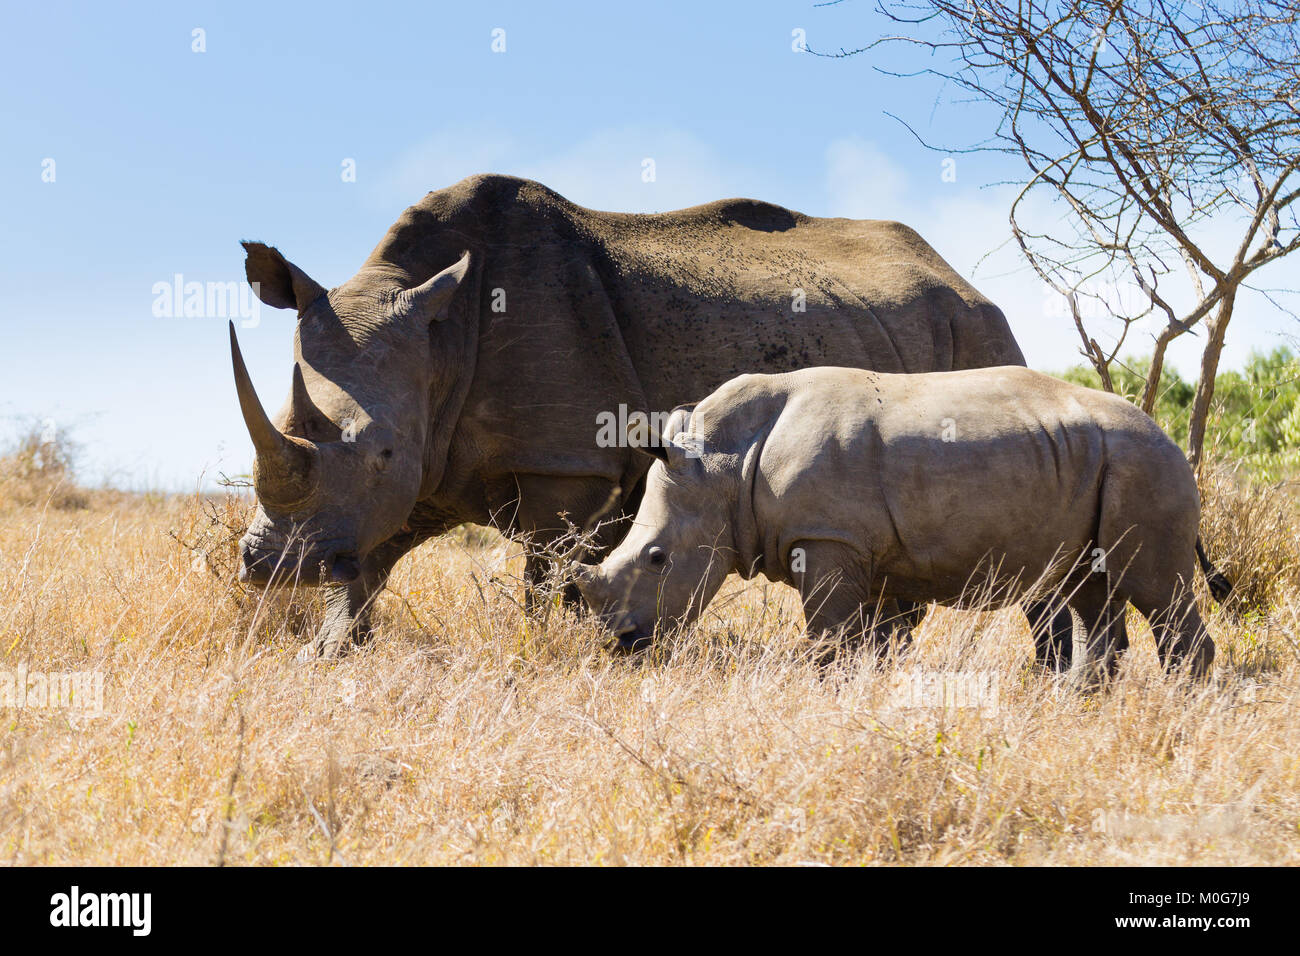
[[657, 557]]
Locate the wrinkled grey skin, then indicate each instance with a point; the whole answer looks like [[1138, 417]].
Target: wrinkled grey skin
[[841, 482], [475, 347]]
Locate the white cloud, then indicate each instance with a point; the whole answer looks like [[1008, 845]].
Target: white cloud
[[442, 159], [864, 183]]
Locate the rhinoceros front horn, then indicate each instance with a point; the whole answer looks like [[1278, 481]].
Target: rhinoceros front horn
[[283, 472]]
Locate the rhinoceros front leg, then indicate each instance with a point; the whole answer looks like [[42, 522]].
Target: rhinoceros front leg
[[539, 571], [545, 510], [347, 622], [348, 606], [902, 618]]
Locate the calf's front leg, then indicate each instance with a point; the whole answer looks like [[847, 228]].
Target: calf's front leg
[[834, 582]]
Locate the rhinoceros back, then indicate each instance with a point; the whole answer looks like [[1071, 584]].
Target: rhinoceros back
[[702, 294], [581, 312], [740, 286]]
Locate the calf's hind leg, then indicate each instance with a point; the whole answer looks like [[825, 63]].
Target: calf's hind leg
[[1181, 636], [1157, 578], [1101, 635], [1155, 561]]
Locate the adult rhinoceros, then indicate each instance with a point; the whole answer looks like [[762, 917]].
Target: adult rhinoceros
[[459, 375]]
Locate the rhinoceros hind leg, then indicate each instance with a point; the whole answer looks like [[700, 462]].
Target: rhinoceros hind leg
[[1052, 625], [1157, 556], [902, 619]]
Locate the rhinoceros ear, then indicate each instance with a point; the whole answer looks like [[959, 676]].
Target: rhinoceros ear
[[670, 451], [277, 281], [679, 420], [429, 301], [675, 445]]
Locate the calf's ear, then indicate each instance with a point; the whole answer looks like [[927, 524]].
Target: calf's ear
[[679, 420], [277, 281], [654, 451], [670, 451]]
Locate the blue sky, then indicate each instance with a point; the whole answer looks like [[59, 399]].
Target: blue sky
[[164, 158]]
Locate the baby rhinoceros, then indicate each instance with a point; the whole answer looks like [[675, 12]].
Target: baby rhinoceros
[[861, 488]]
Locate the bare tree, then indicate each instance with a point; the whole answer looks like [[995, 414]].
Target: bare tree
[[1165, 130]]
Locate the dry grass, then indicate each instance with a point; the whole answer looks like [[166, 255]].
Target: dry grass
[[465, 734], [1252, 532]]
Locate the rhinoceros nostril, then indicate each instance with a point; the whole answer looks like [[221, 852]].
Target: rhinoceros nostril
[[255, 563]]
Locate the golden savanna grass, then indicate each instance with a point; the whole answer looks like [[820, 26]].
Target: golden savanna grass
[[468, 732]]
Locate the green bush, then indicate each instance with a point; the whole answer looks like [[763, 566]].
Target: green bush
[[1254, 418]]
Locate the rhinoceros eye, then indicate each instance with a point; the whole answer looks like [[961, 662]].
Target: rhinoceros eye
[[657, 557]]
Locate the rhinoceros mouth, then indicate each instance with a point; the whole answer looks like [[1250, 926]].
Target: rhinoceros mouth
[[270, 564], [632, 640]]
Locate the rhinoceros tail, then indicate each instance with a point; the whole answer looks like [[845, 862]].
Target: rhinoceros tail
[[1220, 586]]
